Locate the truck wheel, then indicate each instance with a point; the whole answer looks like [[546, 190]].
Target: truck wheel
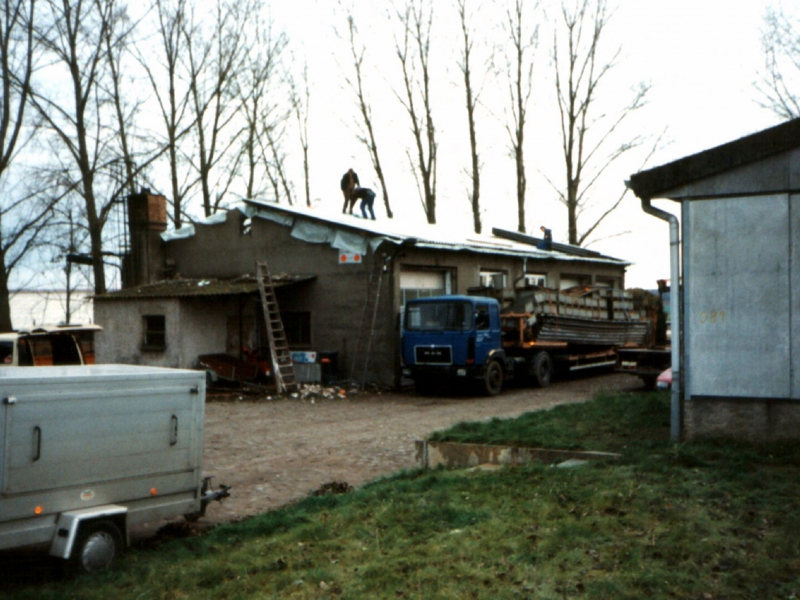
[[540, 368], [493, 379], [95, 547]]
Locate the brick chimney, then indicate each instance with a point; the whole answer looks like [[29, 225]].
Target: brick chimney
[[147, 219]]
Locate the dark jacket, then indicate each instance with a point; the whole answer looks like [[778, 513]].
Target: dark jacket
[[349, 180]]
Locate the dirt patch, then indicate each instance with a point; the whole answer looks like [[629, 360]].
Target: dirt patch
[[273, 452]]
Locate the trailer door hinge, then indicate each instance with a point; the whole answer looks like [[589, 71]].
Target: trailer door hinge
[[10, 400]]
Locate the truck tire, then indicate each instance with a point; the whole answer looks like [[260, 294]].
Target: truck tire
[[540, 368], [95, 547], [493, 379]]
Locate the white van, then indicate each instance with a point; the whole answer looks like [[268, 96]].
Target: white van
[[48, 346]]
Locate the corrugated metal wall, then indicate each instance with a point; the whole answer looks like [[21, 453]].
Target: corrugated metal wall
[[741, 277]]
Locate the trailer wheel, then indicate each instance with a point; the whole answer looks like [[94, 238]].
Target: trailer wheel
[[493, 379], [540, 367], [95, 547]]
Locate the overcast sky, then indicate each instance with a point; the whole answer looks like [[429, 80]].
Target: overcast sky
[[700, 56]]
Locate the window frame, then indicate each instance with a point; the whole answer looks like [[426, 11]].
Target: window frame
[[154, 339]]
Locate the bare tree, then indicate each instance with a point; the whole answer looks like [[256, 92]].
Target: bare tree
[[164, 70], [215, 57], [472, 96], [16, 68], [276, 169], [300, 105], [524, 34], [74, 35], [416, 19], [367, 133], [124, 111], [780, 39], [24, 215], [257, 92], [579, 72]]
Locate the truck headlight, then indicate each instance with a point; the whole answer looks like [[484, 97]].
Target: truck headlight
[[461, 372]]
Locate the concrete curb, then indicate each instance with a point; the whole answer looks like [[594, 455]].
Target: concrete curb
[[430, 455]]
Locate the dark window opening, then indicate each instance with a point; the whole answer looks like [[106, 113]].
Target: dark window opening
[[297, 326], [7, 352], [155, 332], [25, 358]]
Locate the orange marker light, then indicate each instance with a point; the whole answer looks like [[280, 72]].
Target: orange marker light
[[153, 491], [38, 510]]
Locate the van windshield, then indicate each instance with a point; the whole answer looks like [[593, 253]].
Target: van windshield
[[439, 316]]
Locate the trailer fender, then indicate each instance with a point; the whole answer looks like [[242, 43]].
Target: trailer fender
[[69, 524]]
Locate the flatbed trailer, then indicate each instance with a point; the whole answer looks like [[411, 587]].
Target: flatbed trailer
[[468, 338]]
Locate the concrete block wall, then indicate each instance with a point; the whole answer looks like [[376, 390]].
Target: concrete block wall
[[743, 419]]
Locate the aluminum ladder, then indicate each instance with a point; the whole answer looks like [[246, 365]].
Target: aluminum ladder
[[281, 358]]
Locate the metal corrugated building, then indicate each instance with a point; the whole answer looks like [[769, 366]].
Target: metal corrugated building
[[740, 218]]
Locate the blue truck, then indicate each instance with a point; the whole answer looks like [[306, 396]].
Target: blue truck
[[469, 339]]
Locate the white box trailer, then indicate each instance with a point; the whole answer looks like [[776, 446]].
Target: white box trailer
[[88, 451]]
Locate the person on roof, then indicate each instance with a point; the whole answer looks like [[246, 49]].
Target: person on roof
[[547, 242], [367, 197], [349, 184]]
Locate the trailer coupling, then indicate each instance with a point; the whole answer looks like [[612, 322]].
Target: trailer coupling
[[208, 495]]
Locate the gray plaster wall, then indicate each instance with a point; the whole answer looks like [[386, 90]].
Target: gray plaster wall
[[193, 327], [335, 298], [737, 292], [123, 325]]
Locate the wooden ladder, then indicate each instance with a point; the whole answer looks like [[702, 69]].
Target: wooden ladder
[[278, 346], [366, 329]]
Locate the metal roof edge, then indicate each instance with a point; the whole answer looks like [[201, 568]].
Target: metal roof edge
[[713, 161]]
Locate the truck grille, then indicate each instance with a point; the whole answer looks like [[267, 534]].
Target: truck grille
[[433, 355]]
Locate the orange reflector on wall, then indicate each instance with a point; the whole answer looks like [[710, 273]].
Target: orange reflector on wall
[[153, 491], [38, 510]]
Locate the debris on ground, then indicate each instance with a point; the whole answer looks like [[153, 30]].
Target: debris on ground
[[333, 488], [313, 391]]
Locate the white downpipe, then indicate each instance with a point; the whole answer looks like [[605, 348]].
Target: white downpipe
[[676, 412]]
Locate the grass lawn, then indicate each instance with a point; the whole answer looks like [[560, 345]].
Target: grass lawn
[[705, 521]]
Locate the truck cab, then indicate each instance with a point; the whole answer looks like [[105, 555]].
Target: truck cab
[[453, 337]]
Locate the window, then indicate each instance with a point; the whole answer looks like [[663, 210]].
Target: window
[[493, 279], [245, 225], [155, 332], [535, 280], [482, 317], [297, 326]]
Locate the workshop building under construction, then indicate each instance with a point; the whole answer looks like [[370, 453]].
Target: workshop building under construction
[[341, 283]]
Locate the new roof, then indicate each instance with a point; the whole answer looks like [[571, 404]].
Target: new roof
[[775, 140], [376, 232]]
